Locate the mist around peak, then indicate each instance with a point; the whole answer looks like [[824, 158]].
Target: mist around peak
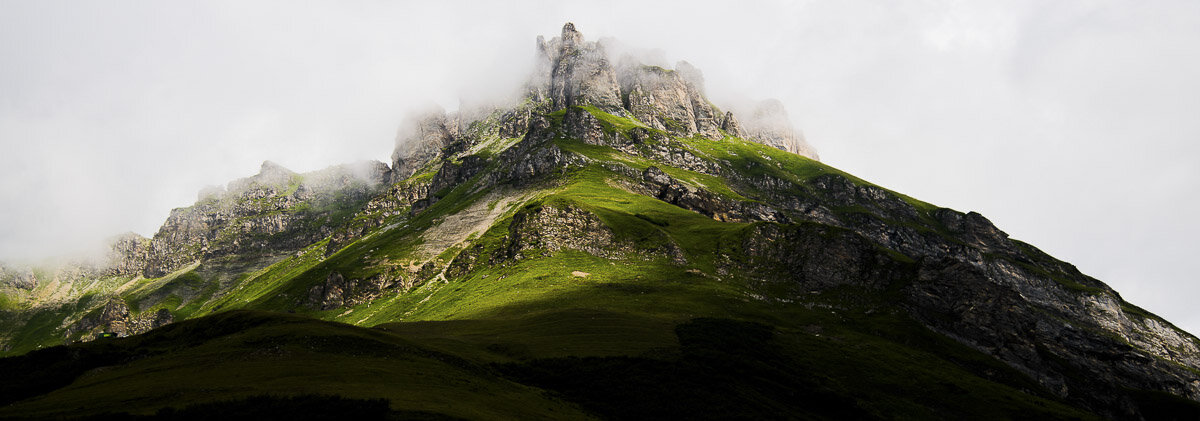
[[571, 70], [120, 112]]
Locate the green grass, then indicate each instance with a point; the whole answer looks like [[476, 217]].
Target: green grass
[[285, 285], [542, 334], [608, 154], [614, 123], [877, 366], [235, 355], [779, 372], [41, 328], [8, 303], [261, 285], [757, 160], [743, 157], [632, 216], [503, 337]]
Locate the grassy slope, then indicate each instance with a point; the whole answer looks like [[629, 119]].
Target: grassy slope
[[535, 312], [449, 367], [241, 353]]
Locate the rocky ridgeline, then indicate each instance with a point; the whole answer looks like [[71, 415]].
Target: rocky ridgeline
[[275, 210], [250, 223], [968, 280], [573, 72], [957, 273]]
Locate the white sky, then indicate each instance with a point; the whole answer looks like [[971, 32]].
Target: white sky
[[1073, 125]]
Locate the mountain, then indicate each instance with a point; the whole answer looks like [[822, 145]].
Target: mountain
[[612, 245]]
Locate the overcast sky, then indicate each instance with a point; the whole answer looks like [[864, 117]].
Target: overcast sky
[[1073, 125]]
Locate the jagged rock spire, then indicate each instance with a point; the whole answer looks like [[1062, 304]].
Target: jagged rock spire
[[573, 71], [577, 72], [731, 125], [570, 36]]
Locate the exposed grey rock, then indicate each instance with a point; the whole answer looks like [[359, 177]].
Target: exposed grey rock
[[420, 140], [128, 254], [554, 228], [794, 260], [656, 183], [17, 277], [531, 159], [954, 273], [669, 100], [270, 176], [691, 74], [660, 98], [210, 193], [968, 281], [275, 211], [545, 229], [1061, 346], [579, 73], [768, 123], [1035, 313], [116, 318], [338, 292], [114, 315], [731, 125], [398, 199], [705, 113]]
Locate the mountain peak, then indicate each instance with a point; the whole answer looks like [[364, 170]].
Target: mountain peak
[[683, 243], [578, 73], [574, 72], [570, 35], [270, 168]]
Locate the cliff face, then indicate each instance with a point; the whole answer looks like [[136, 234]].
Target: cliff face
[[128, 254], [769, 124], [667, 100], [577, 73], [274, 211]]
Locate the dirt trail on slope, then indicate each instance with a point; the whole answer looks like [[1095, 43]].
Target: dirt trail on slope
[[474, 220]]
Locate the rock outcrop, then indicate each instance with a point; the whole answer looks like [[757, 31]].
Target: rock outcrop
[[115, 318], [574, 72], [669, 100], [968, 280], [128, 254], [769, 124], [338, 292], [17, 278], [577, 72], [274, 211], [420, 140], [656, 183]]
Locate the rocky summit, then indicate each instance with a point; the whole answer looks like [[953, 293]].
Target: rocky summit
[[609, 244]]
